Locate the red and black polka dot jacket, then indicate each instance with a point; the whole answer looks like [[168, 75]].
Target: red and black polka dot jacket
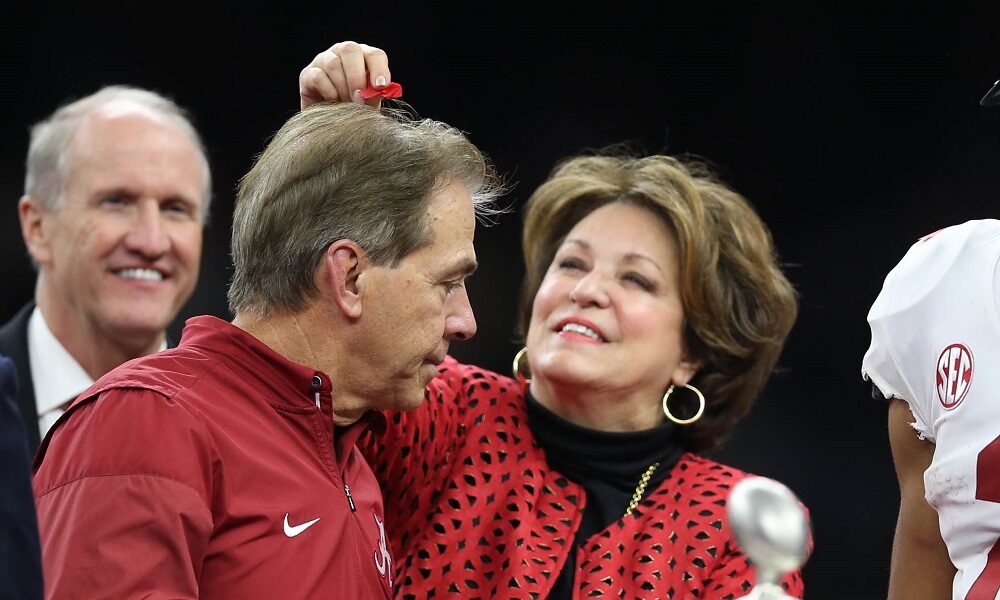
[[473, 510]]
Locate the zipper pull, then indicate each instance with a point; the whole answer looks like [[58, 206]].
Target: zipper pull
[[350, 499], [317, 383]]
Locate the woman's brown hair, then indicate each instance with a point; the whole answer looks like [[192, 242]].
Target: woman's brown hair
[[739, 307]]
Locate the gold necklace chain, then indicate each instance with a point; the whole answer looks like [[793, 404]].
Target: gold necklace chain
[[639, 489]]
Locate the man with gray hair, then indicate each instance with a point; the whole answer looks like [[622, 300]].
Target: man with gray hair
[[227, 467], [116, 196]]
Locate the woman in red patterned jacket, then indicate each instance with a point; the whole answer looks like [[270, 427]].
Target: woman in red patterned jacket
[[654, 310]]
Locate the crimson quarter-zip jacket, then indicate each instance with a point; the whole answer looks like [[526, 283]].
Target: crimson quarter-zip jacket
[[212, 470]]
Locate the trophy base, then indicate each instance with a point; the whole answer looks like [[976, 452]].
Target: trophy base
[[767, 591]]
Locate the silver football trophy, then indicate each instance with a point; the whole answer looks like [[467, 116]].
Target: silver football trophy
[[772, 528]]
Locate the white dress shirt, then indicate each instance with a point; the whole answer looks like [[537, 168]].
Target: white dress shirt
[[57, 376]]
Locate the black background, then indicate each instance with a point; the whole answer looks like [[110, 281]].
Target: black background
[[853, 129]]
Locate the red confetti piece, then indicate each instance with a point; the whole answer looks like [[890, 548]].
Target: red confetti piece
[[393, 90]]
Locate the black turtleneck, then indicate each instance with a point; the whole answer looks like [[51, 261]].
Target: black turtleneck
[[608, 464]]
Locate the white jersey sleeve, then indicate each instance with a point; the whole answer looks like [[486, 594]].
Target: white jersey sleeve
[[935, 343]]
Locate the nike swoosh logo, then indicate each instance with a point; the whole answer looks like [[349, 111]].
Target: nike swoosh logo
[[294, 530]]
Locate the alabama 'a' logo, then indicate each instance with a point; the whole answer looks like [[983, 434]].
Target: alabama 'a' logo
[[954, 375], [383, 560]]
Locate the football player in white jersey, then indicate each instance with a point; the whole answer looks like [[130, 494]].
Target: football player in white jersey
[[935, 345], [934, 353]]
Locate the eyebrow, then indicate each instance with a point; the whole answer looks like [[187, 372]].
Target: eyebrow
[[119, 190], [112, 190], [629, 256], [466, 267]]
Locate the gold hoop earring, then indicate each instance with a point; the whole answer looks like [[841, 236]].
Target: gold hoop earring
[[697, 415], [517, 365]]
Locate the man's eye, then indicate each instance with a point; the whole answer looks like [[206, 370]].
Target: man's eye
[[451, 286], [114, 200], [177, 207]]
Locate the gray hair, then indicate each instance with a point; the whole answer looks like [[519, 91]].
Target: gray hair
[[48, 151], [344, 171]]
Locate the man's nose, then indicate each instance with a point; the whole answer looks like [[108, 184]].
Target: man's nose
[[460, 324], [147, 235]]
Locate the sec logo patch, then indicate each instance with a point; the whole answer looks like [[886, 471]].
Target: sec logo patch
[[954, 375]]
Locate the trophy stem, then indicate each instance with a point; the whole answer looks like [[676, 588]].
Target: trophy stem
[[773, 530], [767, 576]]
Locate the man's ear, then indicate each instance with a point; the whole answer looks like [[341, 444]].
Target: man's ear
[[343, 271], [32, 215]]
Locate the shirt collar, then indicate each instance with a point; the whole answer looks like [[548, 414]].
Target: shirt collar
[[55, 374], [289, 381]]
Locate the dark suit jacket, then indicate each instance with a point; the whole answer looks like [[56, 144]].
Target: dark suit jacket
[[14, 345], [21, 567]]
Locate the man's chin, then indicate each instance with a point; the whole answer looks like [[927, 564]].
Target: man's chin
[[137, 330], [428, 371], [411, 399], [409, 405]]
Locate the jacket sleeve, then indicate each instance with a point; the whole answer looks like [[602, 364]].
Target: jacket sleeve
[[713, 554], [123, 503], [21, 564], [734, 577]]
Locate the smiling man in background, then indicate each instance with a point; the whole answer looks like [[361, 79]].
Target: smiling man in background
[[116, 197]]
